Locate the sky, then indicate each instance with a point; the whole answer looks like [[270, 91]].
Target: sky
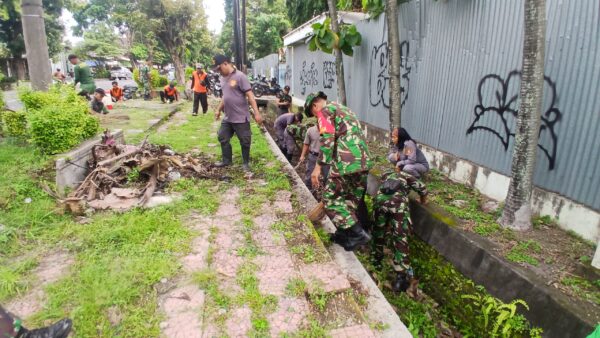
[[215, 12]]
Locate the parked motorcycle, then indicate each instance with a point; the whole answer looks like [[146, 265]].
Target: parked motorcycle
[[215, 84], [262, 87], [129, 92]]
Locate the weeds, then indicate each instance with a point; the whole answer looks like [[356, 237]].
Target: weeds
[[584, 288], [296, 287], [521, 253]]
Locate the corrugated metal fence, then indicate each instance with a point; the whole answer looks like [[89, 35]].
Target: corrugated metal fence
[[460, 82]]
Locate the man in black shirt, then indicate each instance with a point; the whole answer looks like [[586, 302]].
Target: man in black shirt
[[285, 101]]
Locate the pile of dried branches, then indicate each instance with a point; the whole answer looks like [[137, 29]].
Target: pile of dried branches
[[125, 176]]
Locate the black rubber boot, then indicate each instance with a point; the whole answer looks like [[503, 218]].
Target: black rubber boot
[[356, 236], [59, 329], [338, 237]]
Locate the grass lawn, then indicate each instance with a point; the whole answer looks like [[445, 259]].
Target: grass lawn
[[119, 257]]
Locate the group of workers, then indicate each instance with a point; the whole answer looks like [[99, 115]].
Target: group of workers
[[338, 160]]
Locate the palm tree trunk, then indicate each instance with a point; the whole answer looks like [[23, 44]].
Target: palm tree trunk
[[339, 62], [517, 210], [391, 17]]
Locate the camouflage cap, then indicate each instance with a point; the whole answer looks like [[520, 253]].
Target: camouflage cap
[[309, 100]]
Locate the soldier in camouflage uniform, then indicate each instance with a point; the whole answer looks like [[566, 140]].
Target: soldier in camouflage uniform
[[393, 223], [343, 146], [145, 79]]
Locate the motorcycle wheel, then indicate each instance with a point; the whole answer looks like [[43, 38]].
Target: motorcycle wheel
[[258, 91]]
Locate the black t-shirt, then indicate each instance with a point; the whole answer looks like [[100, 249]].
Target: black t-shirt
[[285, 98], [98, 107]]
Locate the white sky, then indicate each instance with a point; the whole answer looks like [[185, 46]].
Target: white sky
[[215, 13]]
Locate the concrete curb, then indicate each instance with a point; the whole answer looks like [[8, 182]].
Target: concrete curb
[[474, 257], [378, 307]]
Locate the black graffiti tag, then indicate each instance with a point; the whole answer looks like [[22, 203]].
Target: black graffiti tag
[[503, 107], [288, 74], [328, 74], [379, 77], [308, 77]]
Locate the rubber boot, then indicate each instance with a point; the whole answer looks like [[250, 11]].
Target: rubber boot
[[59, 329], [401, 283], [356, 236]]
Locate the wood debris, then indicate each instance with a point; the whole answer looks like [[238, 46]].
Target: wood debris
[[125, 176]]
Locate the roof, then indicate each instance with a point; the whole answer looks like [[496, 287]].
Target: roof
[[304, 30]]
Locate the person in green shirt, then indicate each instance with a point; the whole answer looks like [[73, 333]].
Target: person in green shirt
[[83, 76], [145, 79]]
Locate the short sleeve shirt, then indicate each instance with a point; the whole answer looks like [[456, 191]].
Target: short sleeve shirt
[[312, 139], [235, 86]]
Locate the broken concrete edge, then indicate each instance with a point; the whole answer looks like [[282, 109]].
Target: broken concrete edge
[[473, 256], [163, 119], [379, 309], [72, 167]]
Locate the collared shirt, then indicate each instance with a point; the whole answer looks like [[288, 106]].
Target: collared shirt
[[281, 124], [235, 105], [285, 98], [312, 139]]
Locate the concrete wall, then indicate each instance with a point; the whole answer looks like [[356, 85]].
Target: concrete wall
[[460, 82], [267, 66]]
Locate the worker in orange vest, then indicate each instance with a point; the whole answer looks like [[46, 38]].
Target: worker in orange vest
[[169, 93], [199, 86], [116, 92]]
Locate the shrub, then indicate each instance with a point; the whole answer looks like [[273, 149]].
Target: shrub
[[1, 101], [55, 129], [157, 80], [102, 73], [58, 119], [188, 72], [14, 123]]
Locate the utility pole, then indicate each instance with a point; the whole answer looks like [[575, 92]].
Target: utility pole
[[243, 29], [36, 45]]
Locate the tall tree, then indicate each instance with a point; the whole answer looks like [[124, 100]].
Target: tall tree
[[391, 17], [11, 31], [339, 61], [100, 41], [517, 209], [300, 11]]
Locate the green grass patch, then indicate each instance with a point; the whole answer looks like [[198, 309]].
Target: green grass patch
[[584, 288], [522, 252], [296, 287]]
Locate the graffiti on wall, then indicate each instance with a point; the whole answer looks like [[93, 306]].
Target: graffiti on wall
[[497, 114], [288, 75], [308, 76], [329, 73], [379, 78]]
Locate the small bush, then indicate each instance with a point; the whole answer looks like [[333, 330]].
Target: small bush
[[2, 103], [102, 73], [157, 80], [58, 119], [14, 123], [188, 72], [55, 129]]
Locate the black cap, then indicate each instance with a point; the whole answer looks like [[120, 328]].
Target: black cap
[[218, 60], [100, 91]]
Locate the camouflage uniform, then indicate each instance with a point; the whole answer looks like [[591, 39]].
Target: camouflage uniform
[[343, 147], [392, 218], [145, 80]]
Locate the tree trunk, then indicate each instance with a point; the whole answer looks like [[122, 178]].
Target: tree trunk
[[339, 62], [391, 17], [36, 44], [179, 68], [517, 209]]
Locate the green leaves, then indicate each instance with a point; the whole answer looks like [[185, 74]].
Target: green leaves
[[58, 119], [324, 39], [376, 7]]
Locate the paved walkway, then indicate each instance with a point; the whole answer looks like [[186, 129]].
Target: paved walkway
[[219, 250]]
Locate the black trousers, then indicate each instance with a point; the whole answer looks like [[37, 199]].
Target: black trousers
[[164, 97], [244, 134], [201, 98]]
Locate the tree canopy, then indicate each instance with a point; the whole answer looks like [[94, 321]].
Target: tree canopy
[[11, 29]]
